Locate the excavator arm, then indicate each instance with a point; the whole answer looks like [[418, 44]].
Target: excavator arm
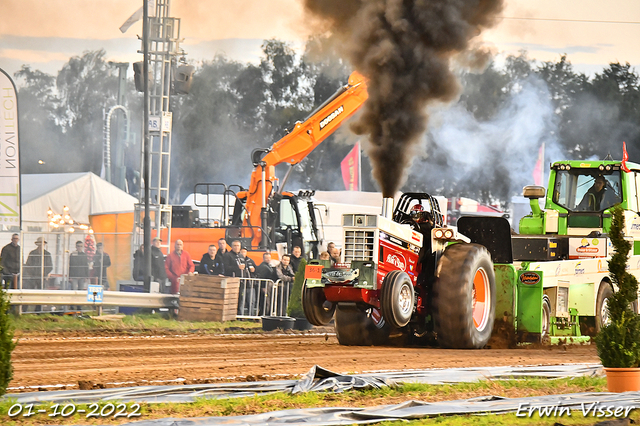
[[298, 143]]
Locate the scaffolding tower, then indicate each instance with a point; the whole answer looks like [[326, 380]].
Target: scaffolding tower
[[164, 49]]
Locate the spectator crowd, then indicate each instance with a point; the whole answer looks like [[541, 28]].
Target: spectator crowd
[[220, 259]]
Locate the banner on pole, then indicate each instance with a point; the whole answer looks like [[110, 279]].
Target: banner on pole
[[350, 167], [9, 154], [538, 169]]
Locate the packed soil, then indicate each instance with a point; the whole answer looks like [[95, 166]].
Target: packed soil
[[44, 362]]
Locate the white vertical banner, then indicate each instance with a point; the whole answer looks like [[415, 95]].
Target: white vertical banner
[[10, 205]]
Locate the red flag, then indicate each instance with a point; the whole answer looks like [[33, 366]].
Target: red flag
[[350, 167], [538, 169], [625, 157]]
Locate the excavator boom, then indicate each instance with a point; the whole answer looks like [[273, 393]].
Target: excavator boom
[[298, 143]]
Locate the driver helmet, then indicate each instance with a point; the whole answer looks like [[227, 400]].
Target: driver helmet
[[417, 213]]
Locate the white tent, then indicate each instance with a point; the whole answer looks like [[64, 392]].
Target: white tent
[[84, 194]]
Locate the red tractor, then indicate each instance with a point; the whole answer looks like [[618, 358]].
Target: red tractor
[[402, 276]]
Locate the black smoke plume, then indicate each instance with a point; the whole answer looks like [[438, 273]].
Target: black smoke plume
[[404, 48]]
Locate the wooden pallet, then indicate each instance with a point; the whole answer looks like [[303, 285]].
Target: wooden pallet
[[208, 298]]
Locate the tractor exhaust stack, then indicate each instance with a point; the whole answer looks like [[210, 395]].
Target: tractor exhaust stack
[[387, 208]]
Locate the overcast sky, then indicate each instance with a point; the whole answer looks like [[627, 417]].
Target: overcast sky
[[45, 33]]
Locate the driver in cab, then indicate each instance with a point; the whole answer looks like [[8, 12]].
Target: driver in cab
[[593, 198]]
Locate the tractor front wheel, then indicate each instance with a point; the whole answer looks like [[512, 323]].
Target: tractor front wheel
[[316, 307], [360, 327], [397, 300], [605, 291], [464, 297]]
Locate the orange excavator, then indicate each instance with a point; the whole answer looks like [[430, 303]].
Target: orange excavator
[[264, 216]]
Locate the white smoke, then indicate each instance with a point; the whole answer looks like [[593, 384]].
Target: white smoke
[[503, 149]]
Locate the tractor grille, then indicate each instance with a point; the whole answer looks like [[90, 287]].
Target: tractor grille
[[359, 245]]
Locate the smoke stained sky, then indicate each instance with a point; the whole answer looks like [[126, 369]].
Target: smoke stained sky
[[46, 33]]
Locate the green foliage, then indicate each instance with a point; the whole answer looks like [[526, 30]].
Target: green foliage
[[294, 309], [618, 342], [6, 342]]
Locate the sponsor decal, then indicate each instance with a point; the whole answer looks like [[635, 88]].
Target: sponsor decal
[[585, 164], [329, 118], [397, 260], [579, 269], [530, 278], [341, 275], [558, 270], [603, 268], [635, 226]]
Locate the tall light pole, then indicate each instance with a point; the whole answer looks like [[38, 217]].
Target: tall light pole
[[147, 170]]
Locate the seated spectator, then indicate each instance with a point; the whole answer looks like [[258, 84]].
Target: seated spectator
[[210, 263]]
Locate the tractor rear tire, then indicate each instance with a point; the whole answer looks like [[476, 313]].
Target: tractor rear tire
[[356, 327], [315, 306], [605, 291], [397, 299], [464, 297]]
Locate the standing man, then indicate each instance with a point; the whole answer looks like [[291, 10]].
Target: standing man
[[101, 261], [266, 271], [249, 263], [285, 275], [222, 249], [177, 264], [234, 263], [78, 268], [138, 264], [296, 257], [210, 264], [158, 271], [10, 256]]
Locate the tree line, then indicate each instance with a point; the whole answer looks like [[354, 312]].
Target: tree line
[[505, 112]]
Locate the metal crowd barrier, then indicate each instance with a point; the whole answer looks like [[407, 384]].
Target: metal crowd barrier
[[262, 297], [79, 298]]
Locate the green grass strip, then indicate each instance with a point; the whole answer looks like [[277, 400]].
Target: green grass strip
[[206, 407]]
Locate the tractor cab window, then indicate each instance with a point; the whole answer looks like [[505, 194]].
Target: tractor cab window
[[587, 189]]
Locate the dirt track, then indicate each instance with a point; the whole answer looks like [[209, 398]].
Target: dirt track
[[127, 361]]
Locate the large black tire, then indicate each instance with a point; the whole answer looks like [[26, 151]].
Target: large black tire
[[315, 306], [456, 297], [605, 291], [397, 299], [356, 327]]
